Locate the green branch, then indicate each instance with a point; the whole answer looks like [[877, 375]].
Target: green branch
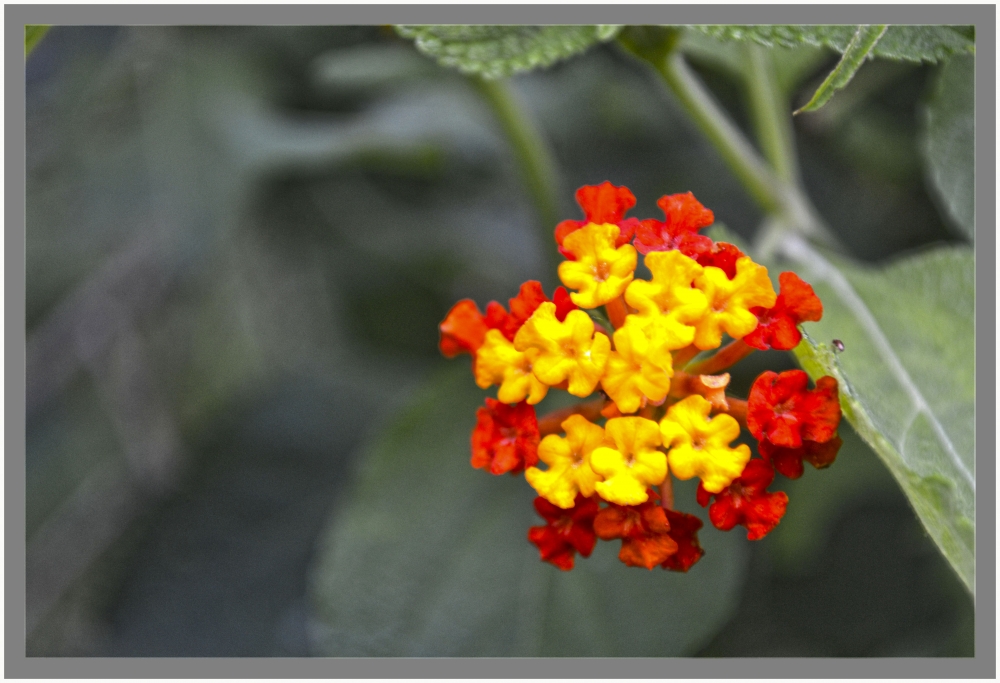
[[532, 152], [767, 104]]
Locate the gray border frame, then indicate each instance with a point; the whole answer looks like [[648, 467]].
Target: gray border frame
[[983, 665]]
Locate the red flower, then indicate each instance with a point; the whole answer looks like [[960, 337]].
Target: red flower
[[685, 216], [644, 530], [566, 531], [684, 531], [777, 326], [722, 255], [604, 203], [788, 461], [463, 329], [505, 438], [747, 502], [782, 410]]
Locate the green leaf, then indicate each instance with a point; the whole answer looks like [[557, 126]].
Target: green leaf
[[858, 50], [948, 142], [33, 33], [499, 51], [907, 376], [431, 558], [909, 43]]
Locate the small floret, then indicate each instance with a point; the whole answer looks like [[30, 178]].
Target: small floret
[[567, 351], [699, 447], [568, 459], [505, 438], [730, 301], [604, 203], [643, 529], [777, 327], [636, 369], [600, 271], [747, 502], [633, 463], [684, 531], [462, 330], [668, 301], [784, 411], [566, 532], [685, 216], [498, 362]]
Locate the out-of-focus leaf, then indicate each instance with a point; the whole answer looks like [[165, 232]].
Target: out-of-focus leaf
[[948, 142], [430, 558], [499, 51], [910, 43], [33, 33], [858, 50], [907, 377]]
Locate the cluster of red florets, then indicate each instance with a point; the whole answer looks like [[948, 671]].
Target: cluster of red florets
[[791, 422]]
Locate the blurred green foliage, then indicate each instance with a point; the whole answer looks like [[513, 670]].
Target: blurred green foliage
[[239, 244]]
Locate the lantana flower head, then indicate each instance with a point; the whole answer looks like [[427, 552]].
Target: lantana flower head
[[652, 375]]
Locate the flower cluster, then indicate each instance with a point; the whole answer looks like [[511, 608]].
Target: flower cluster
[[655, 360]]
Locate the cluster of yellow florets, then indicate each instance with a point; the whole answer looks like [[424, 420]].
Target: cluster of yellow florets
[[685, 304]]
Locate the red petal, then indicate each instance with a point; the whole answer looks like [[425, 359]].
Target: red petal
[[746, 501], [723, 255], [788, 461], [647, 551], [564, 304], [604, 203], [505, 438], [702, 496], [799, 298], [684, 530], [528, 298], [462, 330], [685, 213]]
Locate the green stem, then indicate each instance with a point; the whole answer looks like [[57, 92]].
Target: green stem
[[741, 157], [533, 154], [782, 200], [774, 130]]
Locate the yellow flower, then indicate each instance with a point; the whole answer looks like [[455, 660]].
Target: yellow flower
[[600, 272], [633, 464], [669, 302], [567, 350], [636, 368], [699, 447], [730, 301], [498, 362], [569, 470]]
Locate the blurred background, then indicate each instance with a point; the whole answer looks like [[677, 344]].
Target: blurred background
[[239, 244]]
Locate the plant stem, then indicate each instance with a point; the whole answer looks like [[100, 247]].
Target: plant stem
[[767, 105], [780, 199], [533, 154], [741, 157]]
